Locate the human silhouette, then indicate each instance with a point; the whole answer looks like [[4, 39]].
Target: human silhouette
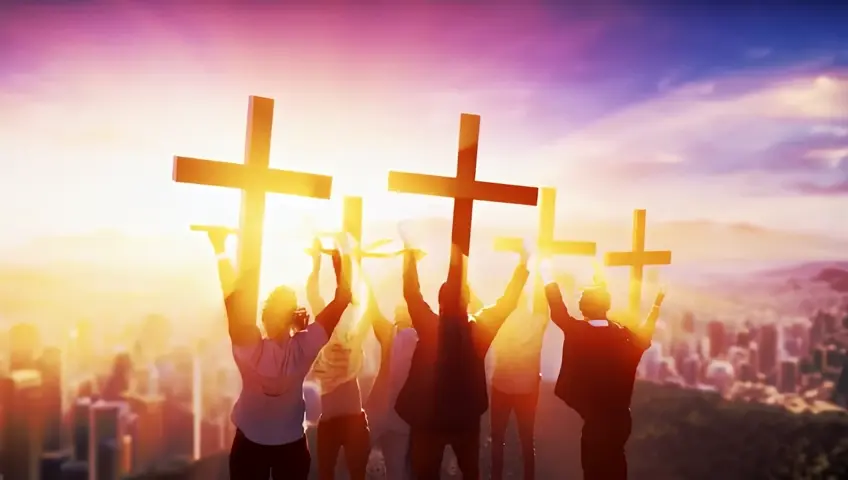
[[343, 423], [269, 412], [599, 362], [516, 378], [389, 432], [445, 394]]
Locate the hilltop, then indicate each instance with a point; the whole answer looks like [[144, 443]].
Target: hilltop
[[677, 433]]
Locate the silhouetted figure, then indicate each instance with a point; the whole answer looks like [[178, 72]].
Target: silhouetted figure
[[269, 412], [599, 361], [388, 431], [445, 394], [343, 423], [516, 377]]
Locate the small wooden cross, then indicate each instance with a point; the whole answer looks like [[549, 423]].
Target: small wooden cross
[[545, 244], [255, 179], [637, 259], [352, 226], [464, 189]]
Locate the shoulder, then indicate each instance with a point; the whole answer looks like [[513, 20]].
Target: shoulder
[[313, 335]]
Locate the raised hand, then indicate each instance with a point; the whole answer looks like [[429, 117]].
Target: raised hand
[[403, 231], [526, 252], [218, 238], [660, 297]]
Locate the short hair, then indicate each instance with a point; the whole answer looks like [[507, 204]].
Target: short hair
[[446, 293], [281, 296], [597, 296]]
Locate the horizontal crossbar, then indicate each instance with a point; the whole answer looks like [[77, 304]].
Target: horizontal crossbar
[[621, 259], [234, 175], [439, 186]]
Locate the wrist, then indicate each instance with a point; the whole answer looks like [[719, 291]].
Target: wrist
[[222, 256]]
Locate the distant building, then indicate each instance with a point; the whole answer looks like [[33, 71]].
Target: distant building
[[20, 396], [717, 335], [768, 343], [788, 381]]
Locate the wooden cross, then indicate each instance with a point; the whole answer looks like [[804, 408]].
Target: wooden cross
[[255, 179], [637, 259], [464, 189], [352, 226], [545, 244]]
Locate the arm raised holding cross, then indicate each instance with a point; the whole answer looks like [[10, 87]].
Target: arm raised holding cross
[[313, 289], [420, 312], [489, 320]]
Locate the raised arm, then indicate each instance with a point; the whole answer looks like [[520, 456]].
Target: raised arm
[[332, 313], [474, 302], [419, 311], [490, 319], [375, 319], [226, 272], [242, 327], [313, 289], [646, 330]]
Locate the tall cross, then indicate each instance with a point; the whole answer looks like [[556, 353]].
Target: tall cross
[[464, 189], [545, 243], [255, 179], [637, 259]]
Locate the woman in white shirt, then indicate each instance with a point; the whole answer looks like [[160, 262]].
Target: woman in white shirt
[[269, 413]]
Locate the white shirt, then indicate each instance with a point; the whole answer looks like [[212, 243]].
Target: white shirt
[[336, 370], [270, 409], [401, 359]]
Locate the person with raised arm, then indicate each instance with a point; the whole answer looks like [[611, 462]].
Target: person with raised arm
[[269, 412], [516, 378], [599, 362], [389, 432], [445, 394], [343, 423]]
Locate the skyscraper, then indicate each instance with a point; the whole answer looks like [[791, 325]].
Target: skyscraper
[[50, 365], [788, 382], [718, 338], [106, 437], [768, 343], [20, 396], [80, 418], [24, 343]]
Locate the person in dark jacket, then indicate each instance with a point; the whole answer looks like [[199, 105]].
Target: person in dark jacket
[[599, 361], [445, 393]]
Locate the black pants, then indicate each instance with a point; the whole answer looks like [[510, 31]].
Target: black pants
[[427, 449], [252, 461], [602, 446], [350, 432], [524, 406]]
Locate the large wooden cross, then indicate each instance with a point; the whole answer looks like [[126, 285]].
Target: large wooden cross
[[464, 189], [637, 259], [255, 179], [545, 244]]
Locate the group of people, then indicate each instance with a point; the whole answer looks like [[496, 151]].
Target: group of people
[[431, 390]]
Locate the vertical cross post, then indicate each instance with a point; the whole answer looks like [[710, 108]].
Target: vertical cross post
[[545, 244], [464, 188], [255, 179], [637, 259]]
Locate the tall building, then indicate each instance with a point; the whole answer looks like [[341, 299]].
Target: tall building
[[105, 439], [768, 343], [149, 429], [718, 338], [754, 358], [50, 366], [20, 396], [788, 381], [80, 418]]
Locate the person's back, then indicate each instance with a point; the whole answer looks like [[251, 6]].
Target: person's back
[[598, 367], [270, 408]]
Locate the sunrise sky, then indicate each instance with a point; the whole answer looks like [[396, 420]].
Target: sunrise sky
[[727, 115]]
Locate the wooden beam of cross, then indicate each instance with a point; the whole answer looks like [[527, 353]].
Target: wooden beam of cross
[[464, 189], [637, 259], [546, 246], [352, 226], [255, 179]]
